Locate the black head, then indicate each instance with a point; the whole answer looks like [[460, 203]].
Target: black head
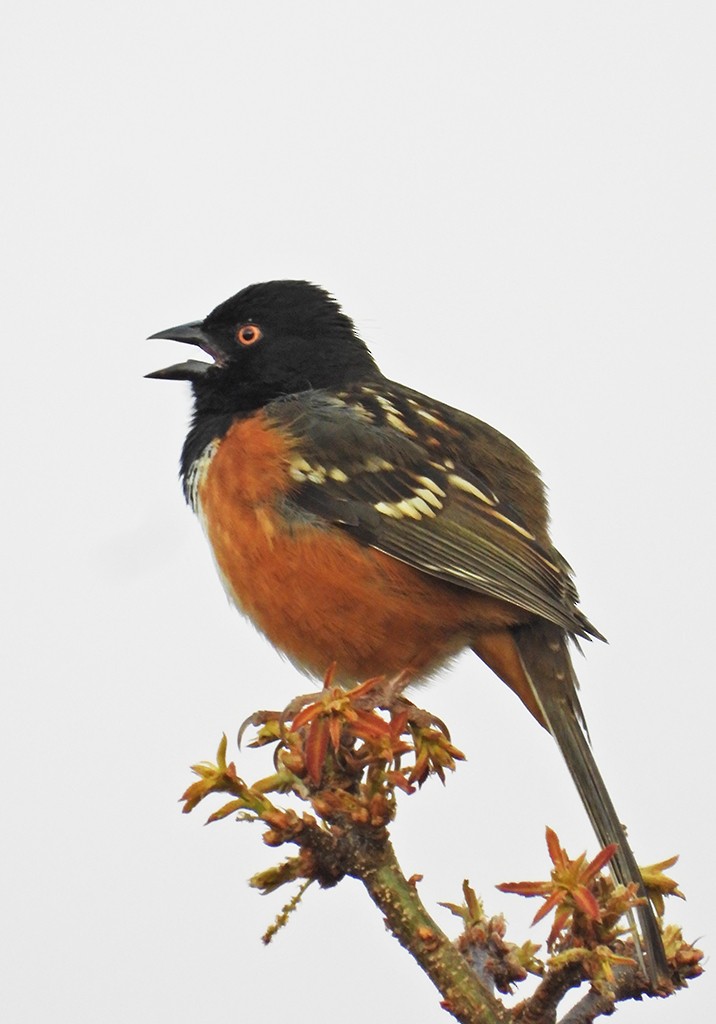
[[268, 340]]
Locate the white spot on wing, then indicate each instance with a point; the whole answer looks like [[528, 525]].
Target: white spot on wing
[[396, 421], [429, 497], [389, 510], [462, 484], [430, 418], [377, 465], [425, 481], [408, 509]]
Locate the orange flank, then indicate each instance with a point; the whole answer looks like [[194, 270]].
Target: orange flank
[[296, 578]]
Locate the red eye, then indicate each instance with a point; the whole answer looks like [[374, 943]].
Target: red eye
[[249, 334]]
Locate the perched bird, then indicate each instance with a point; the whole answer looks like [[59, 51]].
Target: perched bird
[[358, 522]]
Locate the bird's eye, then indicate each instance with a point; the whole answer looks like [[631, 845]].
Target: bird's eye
[[249, 334]]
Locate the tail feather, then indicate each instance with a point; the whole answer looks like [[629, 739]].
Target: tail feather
[[546, 662]]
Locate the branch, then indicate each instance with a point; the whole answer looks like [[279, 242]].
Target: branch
[[347, 755], [627, 985], [465, 995]]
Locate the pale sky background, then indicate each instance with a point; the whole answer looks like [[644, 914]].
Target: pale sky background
[[515, 201]]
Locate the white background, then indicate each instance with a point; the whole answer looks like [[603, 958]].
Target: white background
[[515, 201]]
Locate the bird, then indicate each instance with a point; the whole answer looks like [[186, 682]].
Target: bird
[[359, 523]]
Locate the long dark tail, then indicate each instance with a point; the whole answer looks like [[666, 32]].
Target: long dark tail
[[547, 664]]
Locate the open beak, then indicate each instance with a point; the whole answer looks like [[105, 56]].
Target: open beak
[[191, 334]]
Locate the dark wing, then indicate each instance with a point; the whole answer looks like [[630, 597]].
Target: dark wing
[[367, 462]]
